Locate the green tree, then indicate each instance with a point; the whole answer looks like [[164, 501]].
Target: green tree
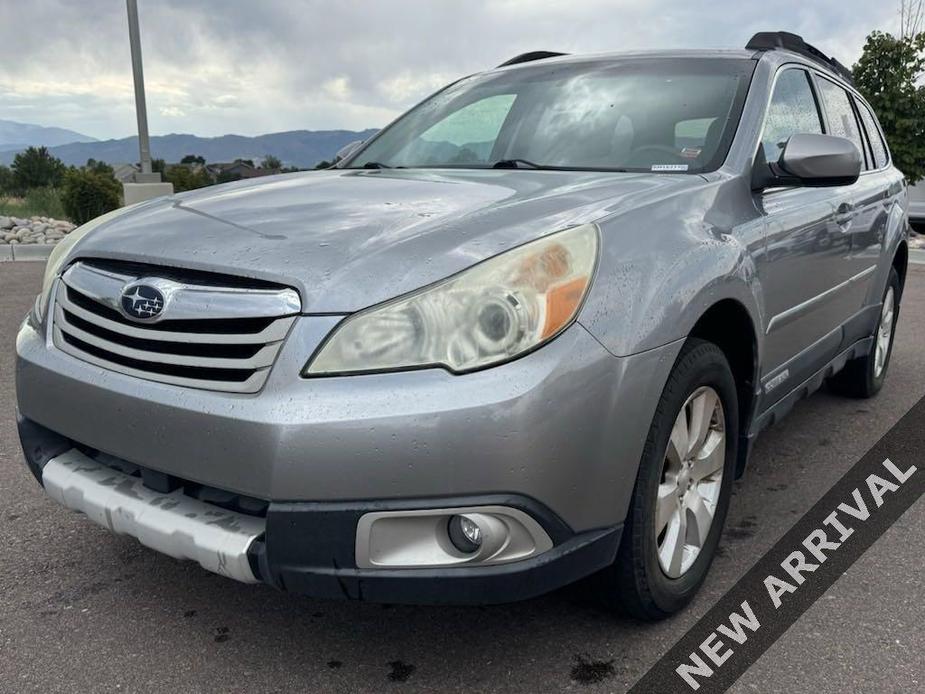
[[271, 162], [35, 167], [193, 159], [6, 179], [227, 177], [887, 76], [324, 164], [184, 178], [87, 194], [158, 166], [100, 167]]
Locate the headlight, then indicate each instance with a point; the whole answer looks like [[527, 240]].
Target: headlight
[[59, 254], [485, 315]]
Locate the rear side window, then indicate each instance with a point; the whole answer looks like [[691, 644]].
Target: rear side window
[[873, 135], [792, 111], [842, 121]]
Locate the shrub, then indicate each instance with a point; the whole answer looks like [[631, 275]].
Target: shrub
[[88, 194], [34, 167], [43, 202]]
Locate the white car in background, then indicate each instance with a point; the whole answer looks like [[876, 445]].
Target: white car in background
[[917, 203]]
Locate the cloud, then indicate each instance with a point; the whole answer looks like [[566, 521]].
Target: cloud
[[218, 66]]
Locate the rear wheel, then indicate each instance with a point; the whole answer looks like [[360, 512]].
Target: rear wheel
[[682, 489], [863, 377]]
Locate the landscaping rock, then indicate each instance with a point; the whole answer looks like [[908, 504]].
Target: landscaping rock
[[35, 231]]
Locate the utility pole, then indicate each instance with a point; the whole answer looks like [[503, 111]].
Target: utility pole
[[147, 184], [141, 109]]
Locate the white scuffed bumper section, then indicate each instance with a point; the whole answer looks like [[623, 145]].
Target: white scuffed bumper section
[[175, 524]]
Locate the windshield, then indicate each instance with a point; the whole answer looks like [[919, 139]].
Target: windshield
[[635, 114]]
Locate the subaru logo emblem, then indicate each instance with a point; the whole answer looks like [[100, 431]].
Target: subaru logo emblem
[[142, 302]]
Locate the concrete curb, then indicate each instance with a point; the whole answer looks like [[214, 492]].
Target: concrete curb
[[25, 252], [917, 256]]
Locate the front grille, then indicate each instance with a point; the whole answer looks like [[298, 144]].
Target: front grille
[[230, 348]]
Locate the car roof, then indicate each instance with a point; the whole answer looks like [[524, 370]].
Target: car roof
[[776, 57], [612, 56]]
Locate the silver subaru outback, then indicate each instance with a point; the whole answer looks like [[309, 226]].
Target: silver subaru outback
[[525, 335]]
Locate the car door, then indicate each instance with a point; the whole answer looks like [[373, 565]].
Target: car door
[[879, 189], [860, 213], [802, 265]]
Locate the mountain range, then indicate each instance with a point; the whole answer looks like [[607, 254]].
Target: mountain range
[[15, 135], [302, 148]]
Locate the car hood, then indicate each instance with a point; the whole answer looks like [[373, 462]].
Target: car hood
[[348, 239]]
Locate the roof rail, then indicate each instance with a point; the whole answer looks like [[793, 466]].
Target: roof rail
[[770, 40], [531, 56]]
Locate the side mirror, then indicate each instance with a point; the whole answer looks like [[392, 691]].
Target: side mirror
[[810, 160], [347, 150]]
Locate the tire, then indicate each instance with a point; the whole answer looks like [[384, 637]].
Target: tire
[[640, 582], [864, 376]]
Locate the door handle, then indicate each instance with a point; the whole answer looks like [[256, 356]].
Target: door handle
[[844, 214]]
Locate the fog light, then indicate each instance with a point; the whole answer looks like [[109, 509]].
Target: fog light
[[465, 534]]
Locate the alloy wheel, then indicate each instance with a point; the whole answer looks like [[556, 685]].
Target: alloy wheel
[[884, 332], [691, 479]]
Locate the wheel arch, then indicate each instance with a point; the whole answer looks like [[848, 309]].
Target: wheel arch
[[729, 325]]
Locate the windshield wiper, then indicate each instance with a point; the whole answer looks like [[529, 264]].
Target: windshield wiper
[[375, 165], [516, 164]]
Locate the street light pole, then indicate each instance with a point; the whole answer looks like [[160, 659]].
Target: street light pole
[[141, 110], [145, 184]]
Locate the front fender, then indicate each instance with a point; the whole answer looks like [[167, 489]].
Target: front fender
[[656, 293]]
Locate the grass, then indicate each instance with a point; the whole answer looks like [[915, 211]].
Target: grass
[[41, 202]]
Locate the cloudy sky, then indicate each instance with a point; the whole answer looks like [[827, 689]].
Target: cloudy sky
[[254, 66]]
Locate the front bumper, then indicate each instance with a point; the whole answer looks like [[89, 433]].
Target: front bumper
[[564, 425], [557, 434], [174, 524], [305, 548]]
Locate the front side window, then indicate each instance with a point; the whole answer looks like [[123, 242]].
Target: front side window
[[633, 114], [842, 121], [792, 111]]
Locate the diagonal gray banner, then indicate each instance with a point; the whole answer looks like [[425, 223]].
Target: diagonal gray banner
[[808, 559]]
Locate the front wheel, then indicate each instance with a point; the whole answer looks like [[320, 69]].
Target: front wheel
[[682, 489]]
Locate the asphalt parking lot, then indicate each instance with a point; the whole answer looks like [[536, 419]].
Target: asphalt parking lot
[[82, 610]]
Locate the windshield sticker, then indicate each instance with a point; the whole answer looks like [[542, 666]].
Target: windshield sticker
[[669, 167], [691, 152]]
